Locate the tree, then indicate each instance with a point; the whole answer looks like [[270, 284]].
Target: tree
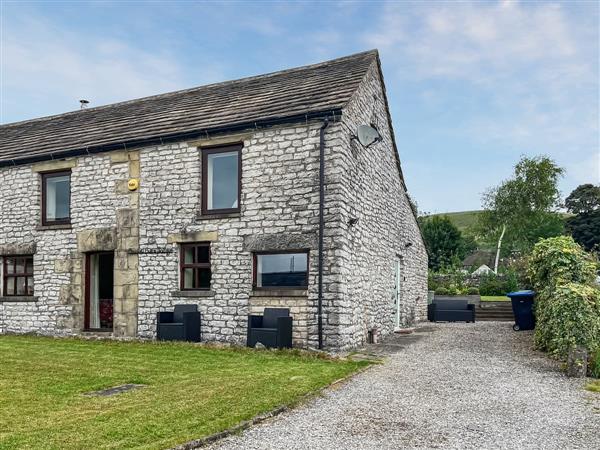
[[584, 199], [523, 209], [445, 244], [584, 202]]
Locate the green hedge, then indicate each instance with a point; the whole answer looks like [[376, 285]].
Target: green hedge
[[595, 364], [494, 285], [560, 260], [567, 304], [567, 318]]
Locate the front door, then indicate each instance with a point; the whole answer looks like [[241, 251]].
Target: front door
[[99, 289]]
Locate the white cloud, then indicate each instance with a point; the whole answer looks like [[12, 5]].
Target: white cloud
[[57, 67], [535, 64], [475, 41], [585, 170]]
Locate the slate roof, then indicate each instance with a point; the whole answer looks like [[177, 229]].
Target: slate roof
[[309, 91], [480, 257]]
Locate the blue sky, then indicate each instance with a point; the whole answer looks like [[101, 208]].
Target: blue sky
[[472, 85]]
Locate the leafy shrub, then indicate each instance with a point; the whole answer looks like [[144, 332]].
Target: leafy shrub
[[432, 283], [441, 291], [511, 281], [517, 269], [567, 317], [455, 281], [495, 285], [595, 364], [560, 260], [472, 291], [453, 290]]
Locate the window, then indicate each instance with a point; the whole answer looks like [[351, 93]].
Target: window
[[281, 270], [195, 266], [221, 179], [56, 198], [17, 275]]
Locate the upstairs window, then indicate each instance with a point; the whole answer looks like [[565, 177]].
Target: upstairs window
[[281, 270], [221, 179], [17, 276], [195, 266], [56, 198]]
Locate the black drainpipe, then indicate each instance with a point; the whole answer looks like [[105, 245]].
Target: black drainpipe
[[321, 226]]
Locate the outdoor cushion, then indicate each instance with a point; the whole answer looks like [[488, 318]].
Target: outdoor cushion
[[271, 315], [183, 324], [448, 305], [451, 311], [180, 310], [273, 329]]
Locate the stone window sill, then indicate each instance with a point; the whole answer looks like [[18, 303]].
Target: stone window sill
[[63, 226], [279, 292], [193, 294], [219, 216], [18, 299]]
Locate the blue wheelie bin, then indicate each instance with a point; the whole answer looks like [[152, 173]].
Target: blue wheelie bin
[[522, 305]]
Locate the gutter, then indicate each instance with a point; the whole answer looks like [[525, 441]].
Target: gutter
[[321, 227], [174, 137]]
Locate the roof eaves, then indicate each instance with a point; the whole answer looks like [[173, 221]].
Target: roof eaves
[[331, 113]]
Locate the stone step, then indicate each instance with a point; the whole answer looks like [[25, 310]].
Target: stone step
[[494, 319], [494, 310], [494, 316], [483, 312]]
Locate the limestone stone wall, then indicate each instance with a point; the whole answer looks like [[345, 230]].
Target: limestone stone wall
[[59, 252], [279, 211], [385, 230], [369, 227], [57, 307]]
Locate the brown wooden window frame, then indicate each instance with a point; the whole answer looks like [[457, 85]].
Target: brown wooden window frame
[[45, 177], [278, 252], [14, 277], [206, 151], [194, 265]]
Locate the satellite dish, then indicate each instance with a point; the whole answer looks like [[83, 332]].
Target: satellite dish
[[367, 135]]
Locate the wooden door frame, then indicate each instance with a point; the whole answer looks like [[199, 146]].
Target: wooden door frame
[[86, 313]]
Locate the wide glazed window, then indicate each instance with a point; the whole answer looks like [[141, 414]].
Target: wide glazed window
[[56, 198], [221, 180], [17, 275], [281, 270], [195, 266]]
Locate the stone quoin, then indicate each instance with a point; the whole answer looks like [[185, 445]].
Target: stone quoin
[[114, 201]]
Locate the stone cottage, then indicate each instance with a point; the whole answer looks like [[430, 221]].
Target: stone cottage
[[211, 196]]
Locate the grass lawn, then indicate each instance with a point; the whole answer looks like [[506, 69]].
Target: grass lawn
[[594, 386], [495, 298], [191, 391], [462, 219]]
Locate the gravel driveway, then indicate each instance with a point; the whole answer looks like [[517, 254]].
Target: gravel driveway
[[455, 386]]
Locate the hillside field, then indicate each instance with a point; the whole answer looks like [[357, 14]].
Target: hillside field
[[462, 219]]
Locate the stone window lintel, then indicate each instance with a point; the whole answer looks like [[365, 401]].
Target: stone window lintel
[[18, 299], [221, 140], [52, 166], [195, 236], [28, 248], [193, 293]]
